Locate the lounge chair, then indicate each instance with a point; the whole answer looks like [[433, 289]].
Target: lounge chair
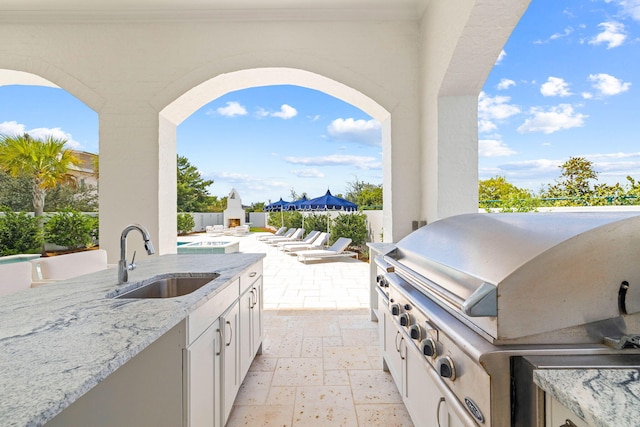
[[215, 230], [337, 250], [288, 233], [319, 243], [295, 237], [306, 241], [280, 232]]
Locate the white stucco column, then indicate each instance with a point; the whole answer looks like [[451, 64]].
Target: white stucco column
[[136, 183]]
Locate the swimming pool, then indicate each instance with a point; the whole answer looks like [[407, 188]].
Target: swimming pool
[[208, 247]]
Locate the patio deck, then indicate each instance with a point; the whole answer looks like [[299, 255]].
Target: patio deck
[[320, 364]]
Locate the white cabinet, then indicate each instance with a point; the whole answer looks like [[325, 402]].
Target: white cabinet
[[231, 378], [557, 414], [202, 383], [250, 324]]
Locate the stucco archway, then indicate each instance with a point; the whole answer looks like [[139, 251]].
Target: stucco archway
[[177, 111]]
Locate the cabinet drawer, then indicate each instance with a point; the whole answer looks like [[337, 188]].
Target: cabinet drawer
[[199, 320], [248, 277]]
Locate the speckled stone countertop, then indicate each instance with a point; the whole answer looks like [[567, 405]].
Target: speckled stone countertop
[[58, 341], [600, 397]]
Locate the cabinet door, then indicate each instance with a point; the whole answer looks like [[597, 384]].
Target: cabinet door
[[256, 318], [423, 398], [229, 323], [246, 354], [394, 342], [202, 394]]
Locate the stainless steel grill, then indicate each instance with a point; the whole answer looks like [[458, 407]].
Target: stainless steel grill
[[494, 288]]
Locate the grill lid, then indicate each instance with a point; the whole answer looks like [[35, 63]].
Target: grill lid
[[494, 265]]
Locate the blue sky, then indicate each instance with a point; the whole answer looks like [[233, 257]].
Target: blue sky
[[565, 85]]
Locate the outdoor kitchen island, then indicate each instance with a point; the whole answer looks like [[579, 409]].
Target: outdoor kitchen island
[[73, 350]]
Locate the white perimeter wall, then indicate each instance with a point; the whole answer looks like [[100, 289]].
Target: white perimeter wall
[[407, 72]]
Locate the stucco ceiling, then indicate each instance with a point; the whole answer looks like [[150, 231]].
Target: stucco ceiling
[[223, 9]]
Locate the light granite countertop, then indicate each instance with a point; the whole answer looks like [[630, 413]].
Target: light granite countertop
[[58, 341], [600, 397]]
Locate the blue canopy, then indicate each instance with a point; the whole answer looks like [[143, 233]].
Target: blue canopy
[[295, 206], [328, 202], [278, 206]]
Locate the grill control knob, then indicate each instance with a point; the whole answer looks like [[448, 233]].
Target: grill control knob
[[405, 319], [429, 348], [416, 332], [395, 309], [379, 278], [446, 368], [407, 307]]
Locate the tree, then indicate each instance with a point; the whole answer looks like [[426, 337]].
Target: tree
[[498, 193], [45, 161], [364, 194], [575, 181], [193, 195]]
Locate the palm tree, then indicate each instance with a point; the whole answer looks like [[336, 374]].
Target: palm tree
[[45, 161]]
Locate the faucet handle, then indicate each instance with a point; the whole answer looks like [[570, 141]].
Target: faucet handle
[[132, 266]]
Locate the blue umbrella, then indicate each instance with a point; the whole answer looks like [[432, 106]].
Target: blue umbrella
[[295, 206], [327, 203], [278, 206]]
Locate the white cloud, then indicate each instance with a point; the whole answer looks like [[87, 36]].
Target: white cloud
[[613, 34], [552, 120], [308, 173], [493, 108], [494, 148], [359, 162], [505, 84], [606, 84], [368, 132], [555, 86], [586, 95], [232, 109], [567, 31], [286, 112], [629, 7], [502, 55], [14, 128]]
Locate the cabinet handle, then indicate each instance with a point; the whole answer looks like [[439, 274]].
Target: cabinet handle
[[568, 423], [220, 341], [405, 349], [254, 291], [440, 402], [253, 274], [397, 345], [230, 334]]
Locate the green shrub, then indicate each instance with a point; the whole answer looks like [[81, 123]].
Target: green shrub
[[19, 234], [71, 229], [289, 219], [316, 222], [186, 223], [351, 225]]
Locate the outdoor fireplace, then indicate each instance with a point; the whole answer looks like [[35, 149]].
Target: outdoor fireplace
[[233, 222]]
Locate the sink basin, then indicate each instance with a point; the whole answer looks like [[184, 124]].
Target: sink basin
[[169, 287]]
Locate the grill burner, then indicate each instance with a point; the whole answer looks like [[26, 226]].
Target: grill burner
[[477, 293]]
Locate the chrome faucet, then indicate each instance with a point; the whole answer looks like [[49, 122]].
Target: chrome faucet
[[123, 267]]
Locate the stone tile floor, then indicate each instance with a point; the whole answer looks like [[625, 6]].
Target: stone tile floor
[[320, 364]]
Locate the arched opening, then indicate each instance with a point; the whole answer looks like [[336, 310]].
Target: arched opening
[[185, 105]]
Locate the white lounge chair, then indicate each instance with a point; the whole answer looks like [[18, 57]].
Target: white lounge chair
[[337, 250], [306, 241], [215, 230], [295, 237], [288, 233], [281, 231], [319, 243]]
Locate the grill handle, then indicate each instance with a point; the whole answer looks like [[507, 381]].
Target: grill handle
[[384, 265]]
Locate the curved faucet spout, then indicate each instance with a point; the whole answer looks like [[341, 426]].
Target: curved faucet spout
[[123, 267]]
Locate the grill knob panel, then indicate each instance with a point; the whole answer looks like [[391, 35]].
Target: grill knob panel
[[446, 368], [429, 348], [395, 309]]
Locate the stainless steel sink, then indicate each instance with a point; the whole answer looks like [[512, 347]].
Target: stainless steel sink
[[169, 287]]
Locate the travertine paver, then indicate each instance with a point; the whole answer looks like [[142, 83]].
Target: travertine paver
[[320, 364]]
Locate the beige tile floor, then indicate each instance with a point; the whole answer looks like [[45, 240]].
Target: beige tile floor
[[320, 364]]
